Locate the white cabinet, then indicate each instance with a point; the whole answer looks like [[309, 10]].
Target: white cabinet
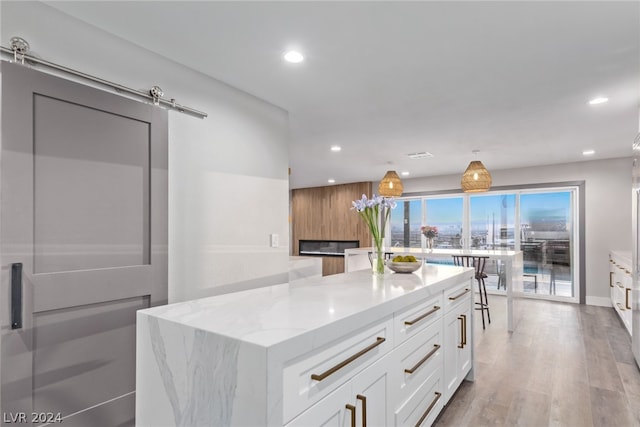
[[458, 344], [309, 379], [360, 402], [620, 285], [424, 405], [419, 392], [331, 411], [370, 388], [427, 355]]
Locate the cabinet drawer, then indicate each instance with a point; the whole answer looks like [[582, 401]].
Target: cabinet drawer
[[330, 411], [309, 378], [409, 322], [458, 295], [424, 405], [416, 359]]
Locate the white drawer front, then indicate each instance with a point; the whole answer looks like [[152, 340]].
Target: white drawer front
[[424, 405], [417, 359], [308, 379], [458, 295], [409, 322]]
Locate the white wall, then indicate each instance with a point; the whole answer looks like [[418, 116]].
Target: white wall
[[228, 180], [607, 206]]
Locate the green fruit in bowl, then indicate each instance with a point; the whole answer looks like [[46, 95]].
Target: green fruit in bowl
[[406, 258]]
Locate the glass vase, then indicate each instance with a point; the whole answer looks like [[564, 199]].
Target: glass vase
[[377, 257], [430, 243]]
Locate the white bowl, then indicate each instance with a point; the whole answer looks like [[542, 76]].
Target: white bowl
[[404, 267]]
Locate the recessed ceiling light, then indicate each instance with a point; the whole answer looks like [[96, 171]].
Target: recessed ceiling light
[[293, 56], [599, 100], [405, 173], [336, 148], [420, 155], [588, 152], [331, 181]]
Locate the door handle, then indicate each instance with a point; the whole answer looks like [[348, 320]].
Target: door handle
[[352, 410], [363, 399], [320, 377], [16, 295], [464, 329]]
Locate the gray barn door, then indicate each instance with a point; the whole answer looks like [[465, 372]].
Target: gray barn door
[[83, 210]]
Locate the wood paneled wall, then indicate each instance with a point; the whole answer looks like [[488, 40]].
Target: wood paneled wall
[[324, 213]]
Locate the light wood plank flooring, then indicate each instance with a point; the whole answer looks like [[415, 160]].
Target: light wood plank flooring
[[564, 365]]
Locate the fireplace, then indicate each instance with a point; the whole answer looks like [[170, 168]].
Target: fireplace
[[326, 247]]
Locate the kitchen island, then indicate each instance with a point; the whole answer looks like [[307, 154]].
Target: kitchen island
[[353, 347]]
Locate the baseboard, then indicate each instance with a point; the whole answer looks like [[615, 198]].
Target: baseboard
[[599, 301]]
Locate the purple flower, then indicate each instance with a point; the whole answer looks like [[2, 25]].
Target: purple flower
[[389, 202], [360, 205]]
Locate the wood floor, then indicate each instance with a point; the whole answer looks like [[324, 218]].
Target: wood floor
[[564, 365]]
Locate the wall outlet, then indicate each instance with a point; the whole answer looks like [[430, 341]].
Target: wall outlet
[[274, 240]]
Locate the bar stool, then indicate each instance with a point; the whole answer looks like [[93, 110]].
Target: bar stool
[[479, 263]]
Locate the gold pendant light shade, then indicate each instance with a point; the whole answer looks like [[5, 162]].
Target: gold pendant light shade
[[476, 178], [391, 185]]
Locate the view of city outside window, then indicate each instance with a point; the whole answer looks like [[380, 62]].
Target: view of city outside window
[[446, 214], [406, 220], [546, 222], [443, 213], [493, 222], [546, 240]]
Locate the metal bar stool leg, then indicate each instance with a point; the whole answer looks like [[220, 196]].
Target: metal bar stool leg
[[486, 301], [482, 301]]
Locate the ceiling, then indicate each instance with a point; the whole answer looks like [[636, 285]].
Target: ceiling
[[385, 79]]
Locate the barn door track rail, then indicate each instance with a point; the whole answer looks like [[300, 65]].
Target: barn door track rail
[[18, 53]]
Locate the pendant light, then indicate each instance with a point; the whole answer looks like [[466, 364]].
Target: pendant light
[[476, 178], [391, 185]]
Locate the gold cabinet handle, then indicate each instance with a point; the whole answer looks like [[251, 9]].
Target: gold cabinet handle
[[627, 271], [464, 329], [424, 359], [611, 279], [352, 409], [426, 414], [419, 318], [460, 294], [626, 298], [363, 399], [620, 307], [325, 374], [461, 319]]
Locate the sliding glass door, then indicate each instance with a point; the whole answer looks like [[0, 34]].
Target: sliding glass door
[[542, 223], [547, 223]]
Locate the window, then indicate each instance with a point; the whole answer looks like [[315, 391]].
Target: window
[[493, 221], [406, 220], [446, 214], [541, 222]]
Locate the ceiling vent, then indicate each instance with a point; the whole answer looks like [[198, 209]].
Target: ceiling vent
[[420, 155]]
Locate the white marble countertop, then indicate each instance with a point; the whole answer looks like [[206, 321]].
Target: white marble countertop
[[273, 315], [419, 252]]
